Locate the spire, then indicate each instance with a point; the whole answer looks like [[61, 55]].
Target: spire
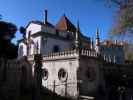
[[92, 44], [97, 37], [77, 35], [97, 33], [97, 44], [78, 27]]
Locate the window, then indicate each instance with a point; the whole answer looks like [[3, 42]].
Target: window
[[56, 48], [45, 74], [62, 74]]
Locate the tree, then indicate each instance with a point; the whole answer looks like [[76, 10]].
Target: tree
[[7, 32], [123, 24], [7, 29]]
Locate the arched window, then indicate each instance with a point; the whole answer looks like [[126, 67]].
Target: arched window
[[45, 74], [56, 48], [62, 75]]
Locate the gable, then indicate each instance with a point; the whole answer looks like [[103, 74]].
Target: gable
[[32, 28]]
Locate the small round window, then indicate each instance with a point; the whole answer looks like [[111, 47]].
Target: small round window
[[45, 74], [62, 74]]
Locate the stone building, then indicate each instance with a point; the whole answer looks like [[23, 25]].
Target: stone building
[[72, 65]]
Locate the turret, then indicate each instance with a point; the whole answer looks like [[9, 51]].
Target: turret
[[97, 43]]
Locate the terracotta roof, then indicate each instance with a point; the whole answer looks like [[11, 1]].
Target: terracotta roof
[[109, 43], [65, 24]]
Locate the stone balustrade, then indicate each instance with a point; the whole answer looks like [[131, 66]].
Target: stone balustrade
[[76, 52], [72, 53], [88, 53], [66, 53], [108, 58]]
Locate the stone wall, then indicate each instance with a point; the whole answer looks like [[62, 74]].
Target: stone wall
[[77, 64], [67, 85], [15, 74], [90, 75]]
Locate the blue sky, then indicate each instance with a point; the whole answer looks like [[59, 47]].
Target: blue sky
[[90, 13]]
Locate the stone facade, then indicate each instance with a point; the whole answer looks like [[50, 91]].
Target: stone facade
[[72, 73]]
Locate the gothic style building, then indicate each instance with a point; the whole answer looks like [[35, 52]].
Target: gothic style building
[[72, 65]]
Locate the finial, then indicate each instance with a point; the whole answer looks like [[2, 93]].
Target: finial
[[78, 27]]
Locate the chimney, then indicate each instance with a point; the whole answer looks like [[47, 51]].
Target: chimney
[[46, 17]]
